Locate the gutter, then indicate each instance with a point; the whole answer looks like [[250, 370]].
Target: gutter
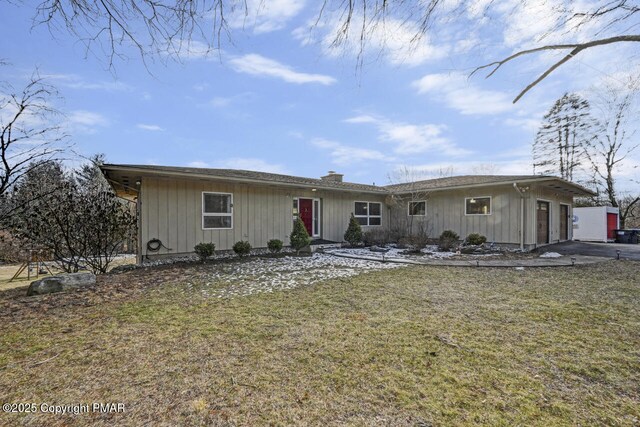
[[515, 186], [568, 184], [206, 177]]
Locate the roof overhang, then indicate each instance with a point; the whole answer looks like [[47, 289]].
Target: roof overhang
[[126, 180], [563, 186], [552, 183]]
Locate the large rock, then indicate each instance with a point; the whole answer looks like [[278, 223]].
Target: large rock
[[61, 282]]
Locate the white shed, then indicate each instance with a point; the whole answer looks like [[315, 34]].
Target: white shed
[[595, 224]]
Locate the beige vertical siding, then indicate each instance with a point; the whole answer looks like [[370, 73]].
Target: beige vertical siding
[[555, 199], [172, 212], [446, 211]]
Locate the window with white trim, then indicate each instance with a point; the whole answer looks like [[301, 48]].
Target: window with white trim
[[217, 210], [368, 213], [477, 206], [418, 208]]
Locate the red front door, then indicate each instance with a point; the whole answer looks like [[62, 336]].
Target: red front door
[[612, 224], [306, 214]]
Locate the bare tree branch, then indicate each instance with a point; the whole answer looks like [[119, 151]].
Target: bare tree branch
[[30, 135], [576, 49]]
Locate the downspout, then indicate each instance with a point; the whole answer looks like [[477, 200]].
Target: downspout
[[139, 222], [515, 186]]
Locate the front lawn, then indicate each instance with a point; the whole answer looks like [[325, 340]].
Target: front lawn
[[414, 346]]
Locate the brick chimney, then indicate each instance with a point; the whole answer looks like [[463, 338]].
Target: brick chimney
[[332, 176]]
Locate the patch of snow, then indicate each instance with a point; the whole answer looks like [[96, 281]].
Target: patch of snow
[[392, 253], [550, 255], [260, 275]]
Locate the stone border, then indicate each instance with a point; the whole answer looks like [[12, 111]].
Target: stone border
[[563, 261]]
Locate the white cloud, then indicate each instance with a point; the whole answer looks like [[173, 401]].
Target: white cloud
[[252, 164], [198, 164], [225, 101], [81, 121], [152, 128], [409, 139], [220, 101], [258, 65], [514, 166], [200, 87], [75, 81], [393, 40], [458, 93], [87, 118], [528, 124], [265, 16], [529, 22], [344, 155], [243, 163], [192, 49]]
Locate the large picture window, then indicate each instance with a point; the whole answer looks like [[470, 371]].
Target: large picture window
[[217, 210], [368, 213], [417, 208], [477, 206]]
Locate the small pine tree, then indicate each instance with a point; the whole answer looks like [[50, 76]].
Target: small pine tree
[[299, 237], [353, 235]]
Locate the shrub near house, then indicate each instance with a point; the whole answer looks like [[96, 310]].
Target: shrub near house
[[274, 245], [204, 250], [476, 239], [353, 235], [299, 237], [226, 205], [242, 248], [448, 240]]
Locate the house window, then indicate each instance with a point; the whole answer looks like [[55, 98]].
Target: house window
[[477, 206], [316, 215], [417, 208], [217, 210], [368, 213], [295, 209]]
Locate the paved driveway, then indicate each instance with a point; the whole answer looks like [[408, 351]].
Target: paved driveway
[[627, 251]]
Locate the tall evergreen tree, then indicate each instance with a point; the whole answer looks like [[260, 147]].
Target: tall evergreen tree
[[566, 129]]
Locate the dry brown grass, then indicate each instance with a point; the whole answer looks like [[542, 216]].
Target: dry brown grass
[[8, 271], [415, 346]]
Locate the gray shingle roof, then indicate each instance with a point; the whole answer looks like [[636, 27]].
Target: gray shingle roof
[[245, 175], [425, 185], [477, 180]]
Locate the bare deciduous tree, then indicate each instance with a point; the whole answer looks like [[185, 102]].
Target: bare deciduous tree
[[152, 27], [614, 144], [157, 27], [30, 135], [30, 129], [410, 209]]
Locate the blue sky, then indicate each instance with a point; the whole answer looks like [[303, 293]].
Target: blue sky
[[280, 99]]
